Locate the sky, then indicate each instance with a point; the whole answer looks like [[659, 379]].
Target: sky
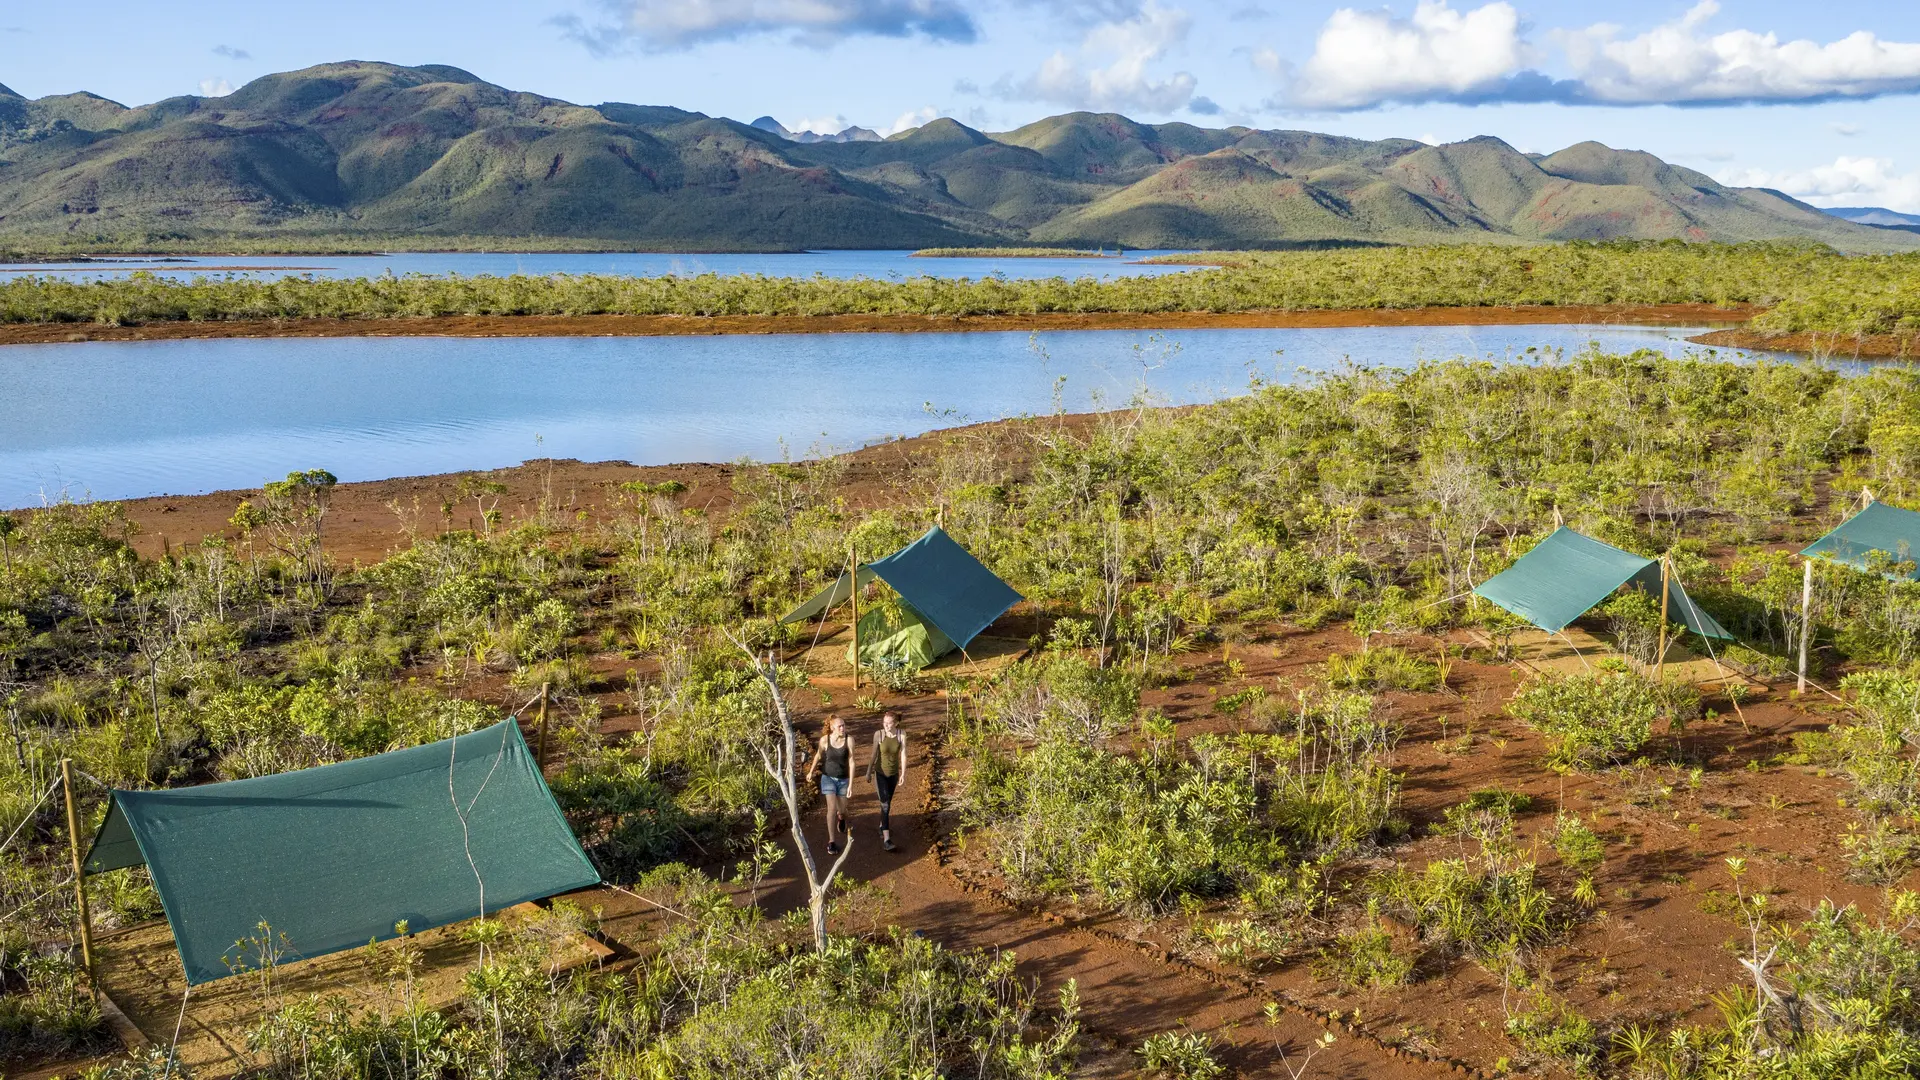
[[1821, 100]]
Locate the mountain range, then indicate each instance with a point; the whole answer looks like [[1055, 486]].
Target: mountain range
[[376, 153], [1878, 216]]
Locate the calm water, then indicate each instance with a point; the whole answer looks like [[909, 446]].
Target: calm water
[[835, 264], [106, 420]]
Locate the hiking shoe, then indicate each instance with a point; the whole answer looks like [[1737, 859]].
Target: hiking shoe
[[888, 845], [833, 849]]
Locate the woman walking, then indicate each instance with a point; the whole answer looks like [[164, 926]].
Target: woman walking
[[833, 764], [888, 767]]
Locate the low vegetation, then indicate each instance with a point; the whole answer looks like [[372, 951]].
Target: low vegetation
[[1803, 287], [1015, 253], [1133, 765]]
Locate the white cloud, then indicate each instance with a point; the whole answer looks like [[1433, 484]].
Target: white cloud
[[232, 53], [1364, 58], [907, 121], [1677, 63], [1849, 181], [677, 24], [825, 125], [215, 88], [1128, 46]]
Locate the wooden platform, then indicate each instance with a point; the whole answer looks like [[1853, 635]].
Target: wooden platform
[[140, 980], [984, 657], [1575, 649]]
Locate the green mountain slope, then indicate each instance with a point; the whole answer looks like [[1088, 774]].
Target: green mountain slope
[[372, 154]]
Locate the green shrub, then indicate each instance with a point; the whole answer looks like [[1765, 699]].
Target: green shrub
[[1577, 844], [1388, 667], [1592, 719], [1556, 1030], [1466, 818], [1244, 941], [1486, 905], [1177, 1056], [1633, 618], [1064, 695], [1208, 818], [1367, 957]]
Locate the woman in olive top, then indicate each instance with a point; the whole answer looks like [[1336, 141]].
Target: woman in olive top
[[888, 768], [834, 765]]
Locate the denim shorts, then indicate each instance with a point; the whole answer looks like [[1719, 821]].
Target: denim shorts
[[835, 785]]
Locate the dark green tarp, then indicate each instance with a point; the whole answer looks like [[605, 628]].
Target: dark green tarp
[[827, 599], [333, 857], [1566, 574], [1878, 528], [939, 580]]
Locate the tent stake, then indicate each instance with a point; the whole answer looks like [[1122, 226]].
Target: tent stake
[[540, 755], [1660, 662], [1806, 618], [79, 876], [853, 581]]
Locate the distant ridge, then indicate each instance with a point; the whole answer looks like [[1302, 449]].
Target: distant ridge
[[850, 134], [370, 153], [1878, 216]]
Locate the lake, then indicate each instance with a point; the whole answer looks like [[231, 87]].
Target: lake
[[115, 420], [834, 264]]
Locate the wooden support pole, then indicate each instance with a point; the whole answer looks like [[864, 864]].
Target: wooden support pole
[[1660, 661], [79, 874], [540, 755], [1806, 618], [853, 592]]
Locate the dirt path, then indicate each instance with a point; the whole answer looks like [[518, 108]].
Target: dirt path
[[1126, 994], [680, 325]]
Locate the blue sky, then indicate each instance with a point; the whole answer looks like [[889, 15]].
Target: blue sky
[[1818, 99]]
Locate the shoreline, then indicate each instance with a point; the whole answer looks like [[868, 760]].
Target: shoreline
[[368, 520], [1814, 343], [707, 325]]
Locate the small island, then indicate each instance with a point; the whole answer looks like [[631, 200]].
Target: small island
[[1014, 253]]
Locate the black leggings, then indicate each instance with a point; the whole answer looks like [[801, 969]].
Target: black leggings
[[885, 784]]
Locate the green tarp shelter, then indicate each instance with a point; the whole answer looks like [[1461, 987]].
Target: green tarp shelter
[[332, 857], [1566, 574], [1878, 528], [946, 598]]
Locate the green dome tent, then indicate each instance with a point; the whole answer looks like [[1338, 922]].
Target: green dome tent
[[946, 597]]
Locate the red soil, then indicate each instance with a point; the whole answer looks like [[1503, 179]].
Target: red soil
[[658, 325]]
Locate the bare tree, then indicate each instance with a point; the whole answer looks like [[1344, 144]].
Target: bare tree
[[779, 755]]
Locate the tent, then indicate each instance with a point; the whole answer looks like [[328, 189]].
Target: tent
[[946, 598], [1877, 528], [333, 857], [1567, 574]]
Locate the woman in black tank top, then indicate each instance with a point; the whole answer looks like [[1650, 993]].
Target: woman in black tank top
[[833, 764]]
